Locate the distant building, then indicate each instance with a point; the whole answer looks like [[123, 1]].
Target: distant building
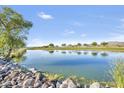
[[116, 43]]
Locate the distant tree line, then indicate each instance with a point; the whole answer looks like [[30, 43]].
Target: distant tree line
[[93, 44]]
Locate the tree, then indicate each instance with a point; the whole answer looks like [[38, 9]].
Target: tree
[[104, 43], [94, 43], [70, 45], [63, 45], [13, 30], [85, 44], [79, 44], [51, 45]]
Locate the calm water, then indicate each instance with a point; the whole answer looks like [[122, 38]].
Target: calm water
[[90, 64]]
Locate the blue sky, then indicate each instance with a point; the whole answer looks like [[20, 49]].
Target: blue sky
[[73, 24]]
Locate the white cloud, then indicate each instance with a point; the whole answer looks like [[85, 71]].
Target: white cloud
[[77, 24], [122, 19], [45, 16], [83, 35], [118, 35], [121, 26], [69, 32]]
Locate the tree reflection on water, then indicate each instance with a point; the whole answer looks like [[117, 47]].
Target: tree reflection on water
[[94, 53], [51, 52], [63, 52], [104, 54]]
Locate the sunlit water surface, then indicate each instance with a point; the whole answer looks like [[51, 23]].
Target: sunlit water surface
[[90, 64]]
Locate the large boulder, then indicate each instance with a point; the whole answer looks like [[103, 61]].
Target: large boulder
[[68, 83], [33, 70], [28, 82], [37, 84], [95, 85], [7, 84]]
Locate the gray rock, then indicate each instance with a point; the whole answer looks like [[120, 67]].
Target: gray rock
[[26, 77], [58, 84], [52, 86], [63, 86], [29, 74], [6, 78], [3, 87], [33, 70], [23, 76], [7, 83], [2, 62], [45, 85], [107, 86], [16, 86], [37, 84], [20, 84], [95, 85], [13, 82], [68, 83], [28, 82], [38, 76], [1, 78], [44, 79], [14, 74], [5, 69]]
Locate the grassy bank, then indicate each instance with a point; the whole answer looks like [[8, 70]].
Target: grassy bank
[[117, 49]]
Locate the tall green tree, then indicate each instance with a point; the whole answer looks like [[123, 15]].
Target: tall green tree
[[51, 45], [63, 44], [79, 44], [104, 43], [13, 30], [94, 43]]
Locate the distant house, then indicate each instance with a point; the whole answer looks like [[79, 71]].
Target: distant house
[[116, 43]]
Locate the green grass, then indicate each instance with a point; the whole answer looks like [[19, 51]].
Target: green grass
[[117, 73], [53, 76], [18, 53], [117, 49]]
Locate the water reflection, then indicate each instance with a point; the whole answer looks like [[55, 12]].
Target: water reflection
[[84, 64], [104, 54], [79, 53], [63, 52], [51, 52], [85, 53], [94, 53], [69, 52]]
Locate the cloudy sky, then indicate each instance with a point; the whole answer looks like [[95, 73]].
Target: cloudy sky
[[73, 24]]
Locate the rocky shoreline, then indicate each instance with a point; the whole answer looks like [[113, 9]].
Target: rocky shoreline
[[12, 75]]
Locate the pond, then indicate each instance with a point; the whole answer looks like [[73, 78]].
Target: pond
[[89, 64]]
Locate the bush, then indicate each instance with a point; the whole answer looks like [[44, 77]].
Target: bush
[[52, 76], [94, 43], [117, 73]]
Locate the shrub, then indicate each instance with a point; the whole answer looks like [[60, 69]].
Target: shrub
[[52, 76], [117, 72], [94, 43]]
